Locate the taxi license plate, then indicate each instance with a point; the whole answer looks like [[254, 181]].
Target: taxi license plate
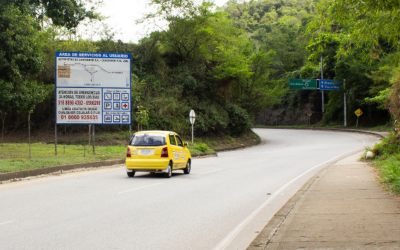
[[145, 151]]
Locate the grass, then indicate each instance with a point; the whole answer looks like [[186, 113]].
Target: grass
[[15, 156], [387, 160], [198, 147]]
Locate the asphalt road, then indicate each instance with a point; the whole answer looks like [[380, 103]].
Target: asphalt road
[[222, 204]]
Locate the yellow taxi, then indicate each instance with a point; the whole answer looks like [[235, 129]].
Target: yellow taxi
[[157, 152]]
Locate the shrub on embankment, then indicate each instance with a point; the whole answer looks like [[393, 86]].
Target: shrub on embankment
[[387, 159]]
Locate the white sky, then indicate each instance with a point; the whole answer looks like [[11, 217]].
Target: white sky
[[123, 14]]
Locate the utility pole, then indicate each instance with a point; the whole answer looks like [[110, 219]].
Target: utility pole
[[322, 77], [345, 102]]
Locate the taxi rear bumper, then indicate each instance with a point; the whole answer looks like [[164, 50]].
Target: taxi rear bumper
[[147, 165]]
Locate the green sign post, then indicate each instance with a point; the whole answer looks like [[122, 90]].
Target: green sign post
[[305, 84]]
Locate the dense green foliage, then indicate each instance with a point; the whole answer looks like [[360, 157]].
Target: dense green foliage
[[387, 158], [228, 64], [366, 50]]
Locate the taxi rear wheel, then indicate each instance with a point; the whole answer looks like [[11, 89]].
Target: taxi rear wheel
[[188, 167], [168, 174], [130, 174]]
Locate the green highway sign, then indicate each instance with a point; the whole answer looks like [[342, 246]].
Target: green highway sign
[[303, 84]]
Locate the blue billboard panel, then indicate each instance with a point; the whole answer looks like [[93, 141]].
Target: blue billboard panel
[[329, 84], [93, 88]]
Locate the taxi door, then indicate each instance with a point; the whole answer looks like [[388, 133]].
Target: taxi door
[[175, 152], [183, 155]]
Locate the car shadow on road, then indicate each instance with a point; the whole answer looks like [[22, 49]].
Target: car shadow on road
[[155, 176]]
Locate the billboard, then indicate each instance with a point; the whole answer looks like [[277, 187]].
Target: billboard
[[93, 88]]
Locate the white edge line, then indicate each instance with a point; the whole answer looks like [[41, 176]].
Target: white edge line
[[3, 223], [131, 190], [232, 234]]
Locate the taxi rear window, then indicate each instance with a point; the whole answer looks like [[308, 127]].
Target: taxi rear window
[[148, 140]]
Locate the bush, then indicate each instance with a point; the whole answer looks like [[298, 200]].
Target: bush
[[239, 120], [388, 161], [389, 146], [391, 175], [201, 146]]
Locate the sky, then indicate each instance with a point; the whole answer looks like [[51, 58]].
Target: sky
[[123, 14]]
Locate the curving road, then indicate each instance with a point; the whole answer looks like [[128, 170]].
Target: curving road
[[222, 204]]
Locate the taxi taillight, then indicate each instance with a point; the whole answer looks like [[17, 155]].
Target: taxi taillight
[[128, 152], [164, 152]]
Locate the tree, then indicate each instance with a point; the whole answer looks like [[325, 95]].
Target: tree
[[19, 59], [365, 22], [369, 31], [191, 29], [65, 13]]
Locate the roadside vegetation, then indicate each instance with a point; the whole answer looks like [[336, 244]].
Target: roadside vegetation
[[230, 64], [387, 160], [72, 149]]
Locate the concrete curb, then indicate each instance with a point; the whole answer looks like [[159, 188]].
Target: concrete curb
[[241, 147], [377, 133], [49, 170], [61, 168], [198, 155], [265, 236]]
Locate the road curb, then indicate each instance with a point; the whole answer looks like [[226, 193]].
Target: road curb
[[241, 147], [198, 155], [55, 169], [265, 236], [377, 133]]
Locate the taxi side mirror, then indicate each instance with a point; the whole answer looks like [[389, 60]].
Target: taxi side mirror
[[185, 144]]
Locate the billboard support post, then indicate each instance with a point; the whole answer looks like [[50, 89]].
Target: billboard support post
[[93, 141], [55, 140]]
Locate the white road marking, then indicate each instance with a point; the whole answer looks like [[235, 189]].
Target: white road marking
[[211, 171], [131, 190], [235, 232], [3, 223]]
